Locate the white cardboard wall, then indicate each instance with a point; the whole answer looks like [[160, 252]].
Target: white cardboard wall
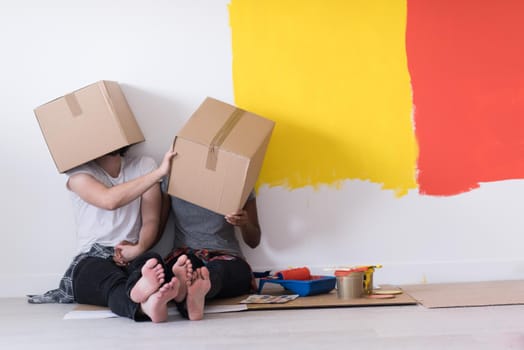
[[168, 56]]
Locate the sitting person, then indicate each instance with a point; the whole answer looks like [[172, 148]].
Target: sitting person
[[208, 239], [117, 205]]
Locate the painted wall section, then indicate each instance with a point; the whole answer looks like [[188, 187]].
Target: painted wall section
[[333, 75], [467, 71]]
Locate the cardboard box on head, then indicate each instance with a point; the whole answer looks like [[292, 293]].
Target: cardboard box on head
[[87, 123], [220, 152]]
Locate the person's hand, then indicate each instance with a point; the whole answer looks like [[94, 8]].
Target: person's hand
[[239, 218], [125, 252], [165, 166], [118, 258]]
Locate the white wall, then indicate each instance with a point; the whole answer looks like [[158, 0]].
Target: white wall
[[169, 55]]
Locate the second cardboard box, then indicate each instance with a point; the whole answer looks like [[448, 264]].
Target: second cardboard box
[[220, 152]]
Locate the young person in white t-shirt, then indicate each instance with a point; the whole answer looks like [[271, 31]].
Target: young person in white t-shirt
[[117, 204]]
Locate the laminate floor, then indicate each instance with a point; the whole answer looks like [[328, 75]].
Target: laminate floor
[[26, 326]]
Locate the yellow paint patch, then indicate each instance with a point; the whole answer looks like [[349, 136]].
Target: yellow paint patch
[[333, 75]]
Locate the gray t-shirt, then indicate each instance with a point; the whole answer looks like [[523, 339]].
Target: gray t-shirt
[[200, 228]]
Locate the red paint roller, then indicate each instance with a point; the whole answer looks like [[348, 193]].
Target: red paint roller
[[299, 273]]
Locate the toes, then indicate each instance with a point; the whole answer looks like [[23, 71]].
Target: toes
[[150, 264], [182, 259], [204, 273]]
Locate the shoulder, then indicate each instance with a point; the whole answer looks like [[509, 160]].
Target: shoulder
[[77, 174], [87, 168]]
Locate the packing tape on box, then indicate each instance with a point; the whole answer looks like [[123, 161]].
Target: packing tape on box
[[220, 137], [73, 105]]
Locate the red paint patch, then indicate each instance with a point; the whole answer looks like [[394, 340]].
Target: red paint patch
[[466, 60]]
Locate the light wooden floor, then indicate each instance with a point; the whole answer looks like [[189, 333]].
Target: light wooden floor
[[25, 326]]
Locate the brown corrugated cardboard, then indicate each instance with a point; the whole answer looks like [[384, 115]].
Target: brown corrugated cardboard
[[220, 151], [316, 301], [461, 294], [87, 123]]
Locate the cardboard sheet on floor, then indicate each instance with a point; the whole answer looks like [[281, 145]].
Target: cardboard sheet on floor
[[327, 300], [468, 293]]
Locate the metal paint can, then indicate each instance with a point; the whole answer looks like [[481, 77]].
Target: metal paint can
[[350, 286]]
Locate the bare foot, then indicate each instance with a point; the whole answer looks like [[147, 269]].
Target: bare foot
[[152, 277], [183, 271], [196, 293], [156, 305]]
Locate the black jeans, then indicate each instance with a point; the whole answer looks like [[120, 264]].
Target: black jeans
[[98, 281], [229, 278]]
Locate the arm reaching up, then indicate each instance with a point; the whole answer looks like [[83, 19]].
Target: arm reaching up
[[96, 193]]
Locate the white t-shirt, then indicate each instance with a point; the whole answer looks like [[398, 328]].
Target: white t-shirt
[[109, 227]]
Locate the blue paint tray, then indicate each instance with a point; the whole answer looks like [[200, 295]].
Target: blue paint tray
[[315, 285]]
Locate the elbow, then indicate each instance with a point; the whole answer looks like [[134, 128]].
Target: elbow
[[253, 245], [109, 204], [254, 240], [111, 207]]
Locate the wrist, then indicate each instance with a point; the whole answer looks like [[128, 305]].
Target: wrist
[[159, 174]]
